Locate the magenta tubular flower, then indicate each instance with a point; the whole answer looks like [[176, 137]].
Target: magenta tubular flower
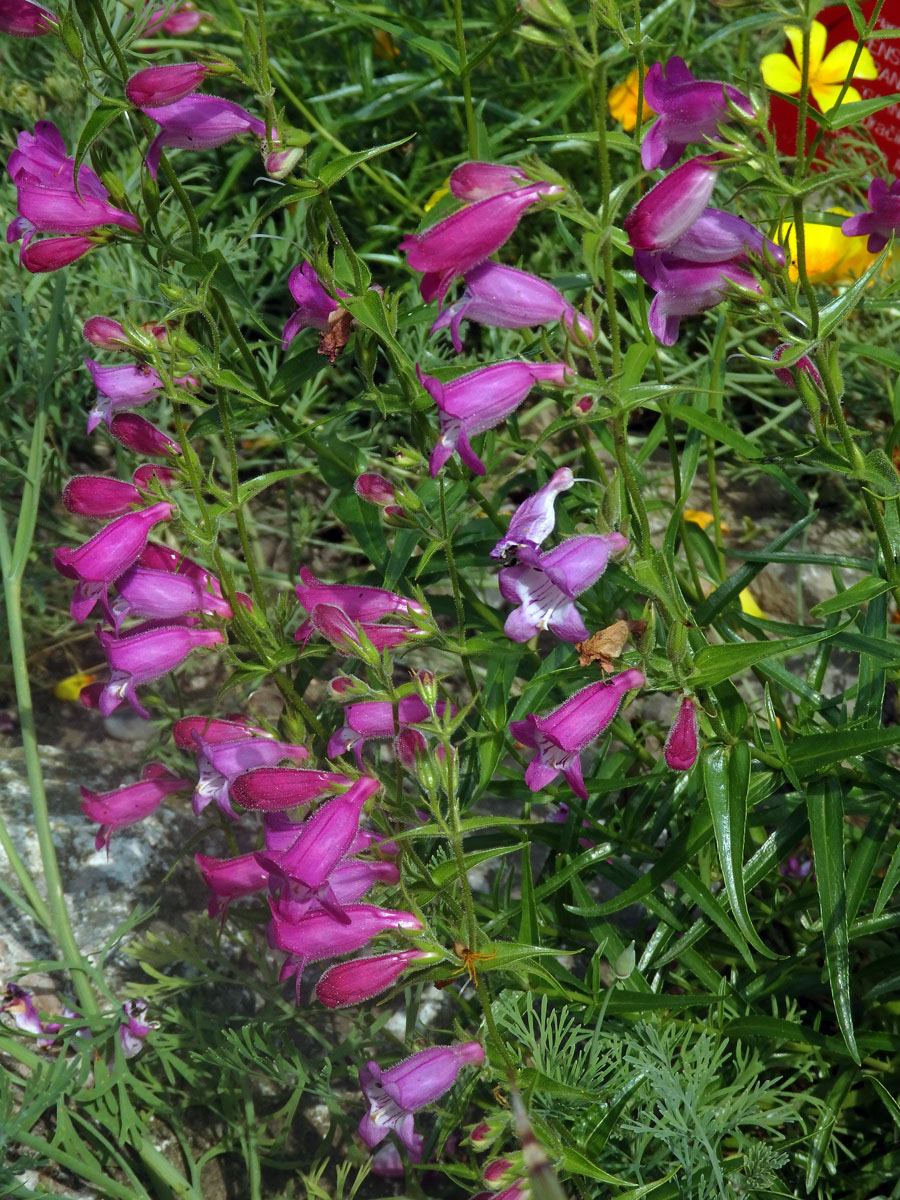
[[882, 221], [130, 804], [314, 306], [230, 878], [51, 254], [23, 19], [465, 239], [134, 1029], [690, 110], [681, 745], [506, 298], [40, 160], [544, 586], [276, 789], [375, 489], [785, 375], [345, 634], [159, 86], [136, 433], [147, 473], [221, 762], [143, 657], [561, 735], [362, 978], [373, 719], [535, 518], [304, 870], [364, 604], [214, 730], [161, 595], [198, 123], [100, 498], [162, 558], [174, 22], [394, 1096], [105, 334], [717, 236], [108, 554], [480, 400], [317, 935], [685, 289], [670, 208], [474, 181], [51, 210]]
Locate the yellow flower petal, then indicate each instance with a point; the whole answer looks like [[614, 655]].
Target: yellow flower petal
[[749, 605], [836, 66], [622, 102], [698, 517], [70, 688], [826, 95], [780, 74], [436, 195]]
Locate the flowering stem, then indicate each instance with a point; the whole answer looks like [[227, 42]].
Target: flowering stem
[[344, 242], [238, 338], [808, 290], [249, 557]]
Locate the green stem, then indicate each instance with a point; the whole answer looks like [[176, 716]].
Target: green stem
[[465, 79], [249, 556], [238, 338], [344, 242], [457, 591]]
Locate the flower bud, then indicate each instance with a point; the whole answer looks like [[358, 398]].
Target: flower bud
[[681, 745], [375, 489], [362, 978], [552, 13], [624, 964], [280, 163]]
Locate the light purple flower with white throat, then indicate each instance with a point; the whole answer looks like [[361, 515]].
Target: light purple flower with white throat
[[560, 736], [544, 586], [689, 109], [506, 298], [479, 400], [535, 518], [395, 1096]]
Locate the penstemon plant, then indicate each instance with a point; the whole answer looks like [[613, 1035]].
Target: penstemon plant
[[492, 748]]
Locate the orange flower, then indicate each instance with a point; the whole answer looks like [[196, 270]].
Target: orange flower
[[623, 100]]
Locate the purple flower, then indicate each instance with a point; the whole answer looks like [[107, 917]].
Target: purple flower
[[506, 298], [544, 586], [684, 289], [230, 878], [717, 236], [100, 498], [882, 221], [51, 254], [394, 1096], [481, 399], [689, 111], [535, 518], [161, 595], [304, 870], [136, 433], [375, 489], [23, 19], [143, 657], [225, 750], [276, 789], [17, 1002], [198, 123], [362, 978], [315, 308], [670, 208], [375, 719], [318, 935], [174, 21], [160, 86], [130, 804], [559, 737], [127, 386], [351, 637], [473, 181], [785, 375], [134, 1028], [363, 604], [108, 554], [681, 747], [465, 239]]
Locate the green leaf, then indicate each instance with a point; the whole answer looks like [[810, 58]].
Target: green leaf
[[529, 923], [717, 430], [825, 806], [252, 487], [294, 372], [825, 1124], [446, 872], [726, 779], [339, 167], [886, 1098], [437, 51], [853, 298], [713, 664], [881, 476], [700, 895], [852, 112], [819, 750], [858, 593], [100, 120]]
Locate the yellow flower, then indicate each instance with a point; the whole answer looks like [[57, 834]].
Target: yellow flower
[[827, 72], [623, 100], [70, 688], [830, 256], [749, 605], [436, 195], [703, 519]]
